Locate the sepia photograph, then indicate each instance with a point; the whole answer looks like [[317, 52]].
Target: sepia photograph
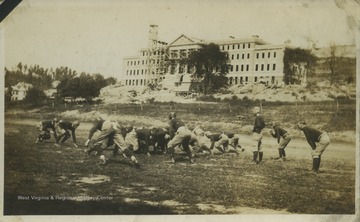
[[193, 110]]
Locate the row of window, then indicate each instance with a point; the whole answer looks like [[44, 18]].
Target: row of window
[[140, 72], [140, 82], [263, 55], [236, 46], [243, 56], [233, 68], [262, 66], [231, 80], [242, 80], [246, 67], [143, 62], [155, 53]]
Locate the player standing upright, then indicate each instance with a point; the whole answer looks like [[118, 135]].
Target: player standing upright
[[259, 125]]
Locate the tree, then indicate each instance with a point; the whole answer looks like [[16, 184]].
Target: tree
[[35, 97], [208, 62], [337, 62], [297, 64], [110, 81]]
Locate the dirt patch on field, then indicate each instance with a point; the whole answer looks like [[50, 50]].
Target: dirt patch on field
[[94, 179]]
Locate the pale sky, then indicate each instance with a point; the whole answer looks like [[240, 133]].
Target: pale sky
[[93, 36]]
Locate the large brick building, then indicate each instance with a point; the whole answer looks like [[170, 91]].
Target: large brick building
[[252, 60]]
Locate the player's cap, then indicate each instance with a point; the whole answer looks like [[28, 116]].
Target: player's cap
[[207, 133], [256, 109], [75, 123], [172, 115], [302, 123]]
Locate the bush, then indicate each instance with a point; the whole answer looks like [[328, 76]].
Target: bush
[[208, 98], [35, 97]]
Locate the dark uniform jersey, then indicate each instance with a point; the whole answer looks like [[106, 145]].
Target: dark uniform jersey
[[259, 124], [48, 124], [175, 124], [279, 132], [65, 125], [312, 136], [143, 135]]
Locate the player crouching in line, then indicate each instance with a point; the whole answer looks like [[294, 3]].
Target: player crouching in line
[[259, 125], [199, 141], [283, 139], [64, 128], [218, 141], [112, 131], [180, 135], [45, 132], [234, 145], [318, 141], [97, 126]]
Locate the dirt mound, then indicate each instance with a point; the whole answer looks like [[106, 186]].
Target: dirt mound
[[323, 91], [123, 94]]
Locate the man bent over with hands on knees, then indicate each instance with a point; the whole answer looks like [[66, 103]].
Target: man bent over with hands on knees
[[318, 141]]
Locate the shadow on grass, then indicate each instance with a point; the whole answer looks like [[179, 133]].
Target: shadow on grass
[[13, 206]]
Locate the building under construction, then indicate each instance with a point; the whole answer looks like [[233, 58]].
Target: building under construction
[[252, 60]]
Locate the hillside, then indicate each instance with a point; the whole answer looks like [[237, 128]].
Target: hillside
[[323, 91]]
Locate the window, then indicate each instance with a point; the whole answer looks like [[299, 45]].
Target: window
[[249, 45], [228, 47], [244, 46], [231, 68], [247, 67], [256, 67], [255, 79], [222, 47], [233, 46], [257, 55], [237, 56], [246, 79], [237, 67], [274, 54], [268, 54], [242, 67], [262, 67], [263, 55], [243, 56], [248, 55], [268, 67], [238, 46], [274, 66], [232, 56]]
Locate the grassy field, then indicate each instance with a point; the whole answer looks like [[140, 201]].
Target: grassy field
[[41, 179]]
